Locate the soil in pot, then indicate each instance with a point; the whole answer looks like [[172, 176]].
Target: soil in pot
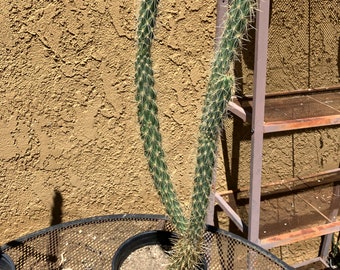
[[146, 258], [147, 250]]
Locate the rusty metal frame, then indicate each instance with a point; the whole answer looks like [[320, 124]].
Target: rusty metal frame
[[259, 127], [300, 235], [278, 126]]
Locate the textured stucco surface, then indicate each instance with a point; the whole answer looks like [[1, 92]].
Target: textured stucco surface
[[68, 116]]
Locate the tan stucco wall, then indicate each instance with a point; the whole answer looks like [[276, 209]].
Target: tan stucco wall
[[68, 116]]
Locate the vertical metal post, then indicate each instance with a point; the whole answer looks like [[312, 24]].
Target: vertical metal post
[[260, 68], [221, 11]]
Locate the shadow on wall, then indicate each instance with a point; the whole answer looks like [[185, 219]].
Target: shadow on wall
[[56, 218], [51, 256], [57, 208]]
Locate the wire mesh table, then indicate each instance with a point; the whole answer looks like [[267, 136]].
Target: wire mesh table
[[91, 244]]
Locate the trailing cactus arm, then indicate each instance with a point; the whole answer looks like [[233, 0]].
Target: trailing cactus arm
[[189, 248], [240, 15], [148, 115], [219, 91], [220, 86], [212, 117]]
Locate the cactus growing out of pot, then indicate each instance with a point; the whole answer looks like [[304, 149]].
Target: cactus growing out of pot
[[147, 115], [219, 89]]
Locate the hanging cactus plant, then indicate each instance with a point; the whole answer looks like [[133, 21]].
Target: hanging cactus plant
[[221, 83]]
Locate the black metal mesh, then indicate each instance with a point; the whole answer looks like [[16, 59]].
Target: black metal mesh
[[91, 243]]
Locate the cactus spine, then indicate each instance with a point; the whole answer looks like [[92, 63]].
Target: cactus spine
[[219, 90]]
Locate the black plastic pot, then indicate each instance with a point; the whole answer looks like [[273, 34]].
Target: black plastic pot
[[6, 262], [164, 239]]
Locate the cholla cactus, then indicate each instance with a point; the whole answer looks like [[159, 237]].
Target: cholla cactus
[[221, 83], [147, 115]]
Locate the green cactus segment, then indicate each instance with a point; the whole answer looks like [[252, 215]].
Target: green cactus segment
[[185, 256], [147, 115], [220, 86], [212, 117], [219, 93], [219, 90], [213, 111], [239, 16]]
